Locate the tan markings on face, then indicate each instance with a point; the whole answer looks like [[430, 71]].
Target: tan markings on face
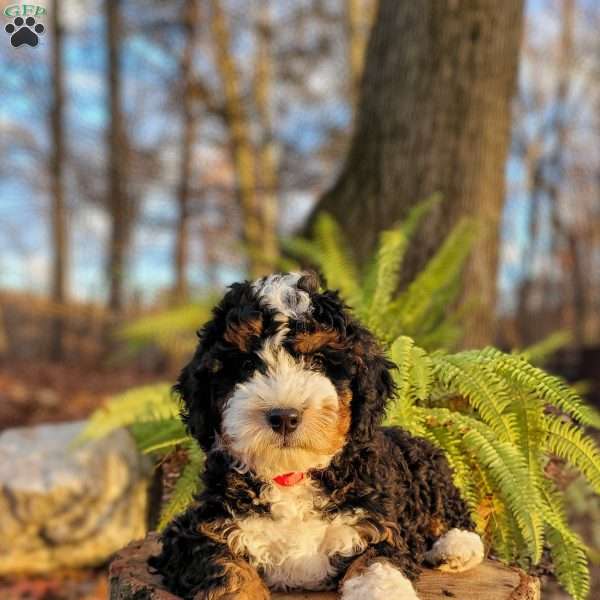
[[311, 342], [241, 334], [344, 415]]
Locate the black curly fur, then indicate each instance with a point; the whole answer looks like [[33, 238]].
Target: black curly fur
[[402, 483]]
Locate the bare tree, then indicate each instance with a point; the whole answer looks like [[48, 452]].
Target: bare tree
[[267, 154], [240, 141], [117, 202], [188, 136], [57, 160], [434, 116]]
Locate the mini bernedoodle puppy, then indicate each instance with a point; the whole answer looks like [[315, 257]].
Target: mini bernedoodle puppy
[[303, 488]]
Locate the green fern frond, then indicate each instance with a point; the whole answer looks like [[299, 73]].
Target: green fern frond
[[529, 411], [383, 277], [336, 262], [303, 249], [552, 389], [447, 440], [567, 549], [159, 436], [176, 321], [502, 530], [413, 382], [505, 536], [571, 444], [506, 468], [406, 314], [539, 352], [483, 391], [147, 403], [186, 488]]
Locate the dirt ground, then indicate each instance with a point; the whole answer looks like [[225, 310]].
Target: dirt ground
[[34, 392]]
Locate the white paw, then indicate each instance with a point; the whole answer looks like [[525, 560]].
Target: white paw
[[457, 550], [380, 581]]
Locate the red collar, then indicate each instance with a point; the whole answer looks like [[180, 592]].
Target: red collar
[[288, 479]]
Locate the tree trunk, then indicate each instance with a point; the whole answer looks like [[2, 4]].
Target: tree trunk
[[57, 158], [240, 142], [117, 201], [188, 136], [434, 116], [267, 153]]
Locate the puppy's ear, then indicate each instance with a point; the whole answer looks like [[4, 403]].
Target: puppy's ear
[[329, 311], [195, 389], [372, 384], [198, 385]]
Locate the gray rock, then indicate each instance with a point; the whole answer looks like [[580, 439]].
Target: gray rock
[[66, 506]]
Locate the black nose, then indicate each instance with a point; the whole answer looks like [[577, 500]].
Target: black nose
[[283, 420]]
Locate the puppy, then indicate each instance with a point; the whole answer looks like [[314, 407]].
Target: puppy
[[303, 488]]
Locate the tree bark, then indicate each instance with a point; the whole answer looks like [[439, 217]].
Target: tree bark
[[359, 19], [117, 201], [57, 159], [188, 136], [434, 116], [240, 142]]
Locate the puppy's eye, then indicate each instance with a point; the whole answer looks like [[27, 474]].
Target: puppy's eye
[[317, 361], [247, 365]]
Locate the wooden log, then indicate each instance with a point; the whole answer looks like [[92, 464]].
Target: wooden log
[[131, 580]]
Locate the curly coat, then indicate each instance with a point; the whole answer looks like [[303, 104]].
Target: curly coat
[[397, 488]]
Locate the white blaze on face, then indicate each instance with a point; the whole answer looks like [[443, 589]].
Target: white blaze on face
[[287, 383]]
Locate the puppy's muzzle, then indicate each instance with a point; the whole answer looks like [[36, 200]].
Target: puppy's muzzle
[[283, 420]]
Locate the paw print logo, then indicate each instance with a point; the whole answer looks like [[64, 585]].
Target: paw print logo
[[24, 31]]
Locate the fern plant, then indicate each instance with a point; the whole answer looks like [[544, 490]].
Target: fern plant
[[172, 331], [498, 418], [424, 309]]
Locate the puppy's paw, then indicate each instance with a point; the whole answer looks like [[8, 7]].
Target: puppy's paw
[[379, 581], [457, 550]]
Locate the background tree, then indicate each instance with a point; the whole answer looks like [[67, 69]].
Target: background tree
[[268, 176], [57, 160], [240, 143], [434, 116], [549, 154], [188, 137], [118, 202]]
